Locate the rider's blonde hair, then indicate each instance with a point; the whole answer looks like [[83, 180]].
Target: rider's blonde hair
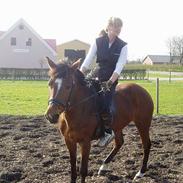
[[114, 21]]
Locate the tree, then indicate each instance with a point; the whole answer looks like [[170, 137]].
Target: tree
[[175, 46]]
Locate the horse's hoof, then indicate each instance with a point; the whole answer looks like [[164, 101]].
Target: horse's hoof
[[101, 172], [138, 175], [103, 169]]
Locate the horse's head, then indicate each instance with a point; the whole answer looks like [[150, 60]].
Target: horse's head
[[63, 80]]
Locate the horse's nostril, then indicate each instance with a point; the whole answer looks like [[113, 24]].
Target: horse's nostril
[[52, 118], [55, 118]]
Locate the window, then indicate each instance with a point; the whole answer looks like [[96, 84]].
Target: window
[[29, 42], [72, 54], [13, 41]]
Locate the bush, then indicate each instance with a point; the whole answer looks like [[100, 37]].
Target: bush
[[138, 74]]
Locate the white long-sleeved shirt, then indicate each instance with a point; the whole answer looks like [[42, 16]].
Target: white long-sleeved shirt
[[89, 60]]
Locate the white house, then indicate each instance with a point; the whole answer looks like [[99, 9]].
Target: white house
[[22, 47], [160, 59], [156, 59]]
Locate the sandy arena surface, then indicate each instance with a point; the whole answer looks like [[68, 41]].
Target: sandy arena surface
[[32, 151]]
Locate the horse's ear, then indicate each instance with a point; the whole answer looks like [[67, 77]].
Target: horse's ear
[[51, 64], [76, 64]]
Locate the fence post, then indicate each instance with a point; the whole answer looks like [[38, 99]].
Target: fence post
[[170, 76], [157, 95], [148, 74]]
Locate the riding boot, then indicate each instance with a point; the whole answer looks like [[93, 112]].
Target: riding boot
[[109, 134]]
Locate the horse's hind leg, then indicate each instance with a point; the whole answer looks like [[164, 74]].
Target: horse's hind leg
[[143, 129], [118, 143]]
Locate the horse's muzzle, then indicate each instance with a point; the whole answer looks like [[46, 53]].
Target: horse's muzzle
[[52, 118]]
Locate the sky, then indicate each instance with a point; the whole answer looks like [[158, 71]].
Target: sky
[[147, 24]]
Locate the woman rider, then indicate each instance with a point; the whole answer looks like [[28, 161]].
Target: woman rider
[[111, 56]]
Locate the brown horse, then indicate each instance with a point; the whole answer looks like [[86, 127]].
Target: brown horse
[[71, 106]]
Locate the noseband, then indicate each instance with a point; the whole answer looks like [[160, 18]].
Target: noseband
[[65, 105]]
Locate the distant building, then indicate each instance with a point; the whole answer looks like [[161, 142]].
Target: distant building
[[160, 59], [22, 47], [72, 50]]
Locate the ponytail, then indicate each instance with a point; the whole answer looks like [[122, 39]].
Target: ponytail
[[102, 33]]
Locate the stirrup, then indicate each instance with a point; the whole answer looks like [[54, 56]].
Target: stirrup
[[106, 139]]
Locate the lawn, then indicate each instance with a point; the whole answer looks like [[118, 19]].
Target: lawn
[[170, 96], [30, 97], [23, 97]]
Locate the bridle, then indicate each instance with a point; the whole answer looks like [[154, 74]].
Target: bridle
[[67, 105]]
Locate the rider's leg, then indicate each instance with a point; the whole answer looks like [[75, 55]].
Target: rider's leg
[[107, 119]]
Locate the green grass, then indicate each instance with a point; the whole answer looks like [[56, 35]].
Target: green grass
[[170, 96], [30, 97], [23, 97]]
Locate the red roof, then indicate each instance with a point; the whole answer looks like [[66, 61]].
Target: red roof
[[52, 43]]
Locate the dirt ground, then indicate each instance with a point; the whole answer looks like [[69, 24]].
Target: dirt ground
[[32, 151]]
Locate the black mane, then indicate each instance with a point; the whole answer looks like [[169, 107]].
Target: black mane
[[64, 68]]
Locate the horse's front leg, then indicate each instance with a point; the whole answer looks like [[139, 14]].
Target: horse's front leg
[[85, 151], [72, 146]]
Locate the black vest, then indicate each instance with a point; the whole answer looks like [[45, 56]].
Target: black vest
[[107, 57]]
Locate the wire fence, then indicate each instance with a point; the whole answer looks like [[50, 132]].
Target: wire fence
[[42, 74], [23, 74]]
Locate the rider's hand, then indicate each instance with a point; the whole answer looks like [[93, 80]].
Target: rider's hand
[[106, 85]]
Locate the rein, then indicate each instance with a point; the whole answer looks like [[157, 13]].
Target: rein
[[67, 105], [86, 99]]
